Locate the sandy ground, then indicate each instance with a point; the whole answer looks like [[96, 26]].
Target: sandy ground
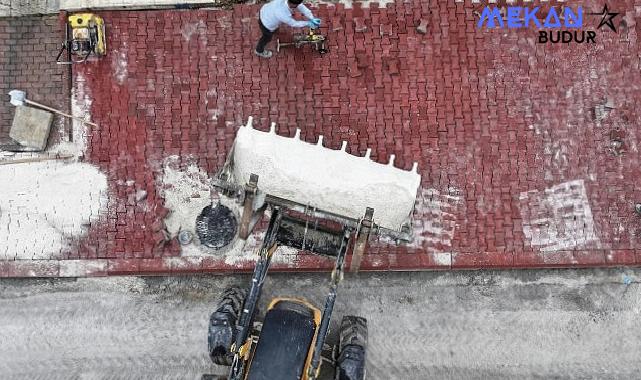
[[465, 325]]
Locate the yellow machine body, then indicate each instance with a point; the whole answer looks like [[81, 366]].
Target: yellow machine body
[[249, 348], [85, 36], [89, 27]]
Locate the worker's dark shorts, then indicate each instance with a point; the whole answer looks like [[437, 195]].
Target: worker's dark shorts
[[265, 38], [264, 29]]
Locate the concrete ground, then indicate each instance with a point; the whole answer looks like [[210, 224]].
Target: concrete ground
[[525, 324]]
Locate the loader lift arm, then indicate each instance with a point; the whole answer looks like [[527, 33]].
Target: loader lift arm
[[258, 279], [337, 277]]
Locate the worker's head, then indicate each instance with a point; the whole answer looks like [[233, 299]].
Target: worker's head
[[294, 3]]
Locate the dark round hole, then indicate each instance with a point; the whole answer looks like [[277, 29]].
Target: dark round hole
[[216, 226]]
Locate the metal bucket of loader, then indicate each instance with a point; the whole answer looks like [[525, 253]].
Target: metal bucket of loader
[[330, 180]]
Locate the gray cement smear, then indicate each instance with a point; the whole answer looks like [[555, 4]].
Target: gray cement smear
[[561, 324], [15, 8]]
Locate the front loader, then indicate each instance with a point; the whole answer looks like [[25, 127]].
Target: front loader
[[322, 201]]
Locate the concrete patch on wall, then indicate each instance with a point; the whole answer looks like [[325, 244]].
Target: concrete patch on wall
[[557, 152], [45, 207], [442, 258], [435, 221], [186, 191], [119, 64], [81, 101], [558, 218], [192, 28], [17, 8]]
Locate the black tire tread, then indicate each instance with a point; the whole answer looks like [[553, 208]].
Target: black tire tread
[[352, 349], [353, 331], [223, 360], [231, 301]]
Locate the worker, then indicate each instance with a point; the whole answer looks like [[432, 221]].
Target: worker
[[277, 12]]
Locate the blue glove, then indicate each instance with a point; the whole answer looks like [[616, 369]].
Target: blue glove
[[312, 25], [316, 21]]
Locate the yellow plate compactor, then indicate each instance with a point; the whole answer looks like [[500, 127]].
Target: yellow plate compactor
[[84, 36]]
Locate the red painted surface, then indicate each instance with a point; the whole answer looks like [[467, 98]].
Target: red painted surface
[[493, 119]]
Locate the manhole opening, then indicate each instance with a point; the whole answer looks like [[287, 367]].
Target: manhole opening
[[216, 226]]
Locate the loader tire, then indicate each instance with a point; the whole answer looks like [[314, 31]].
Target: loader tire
[[352, 348], [222, 325]]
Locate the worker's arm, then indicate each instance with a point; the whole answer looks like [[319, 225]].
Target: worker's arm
[[289, 20], [305, 11]]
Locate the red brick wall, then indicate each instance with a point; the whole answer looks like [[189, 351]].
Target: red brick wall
[[28, 49]]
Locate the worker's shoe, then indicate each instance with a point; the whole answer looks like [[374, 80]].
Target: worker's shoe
[[265, 54]]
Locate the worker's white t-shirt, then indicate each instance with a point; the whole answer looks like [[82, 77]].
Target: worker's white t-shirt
[[277, 12]]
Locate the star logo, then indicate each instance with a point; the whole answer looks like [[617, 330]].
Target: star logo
[[607, 18]]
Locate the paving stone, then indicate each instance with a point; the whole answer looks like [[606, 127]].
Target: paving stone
[[31, 127], [517, 170]]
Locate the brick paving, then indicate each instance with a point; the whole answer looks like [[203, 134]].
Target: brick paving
[[516, 141], [28, 49]]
